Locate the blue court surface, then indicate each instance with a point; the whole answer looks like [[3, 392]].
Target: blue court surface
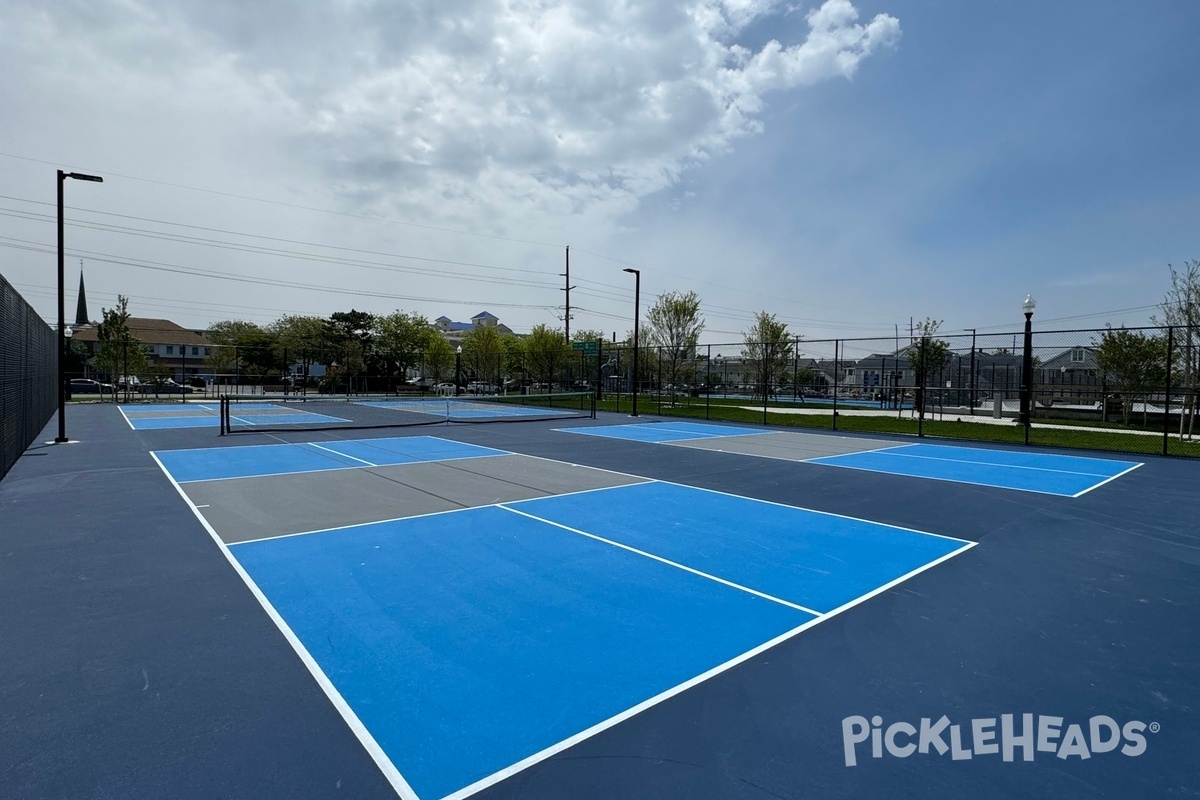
[[219, 463], [170, 416], [465, 408], [1045, 473], [472, 643], [1061, 475], [661, 432], [505, 612]]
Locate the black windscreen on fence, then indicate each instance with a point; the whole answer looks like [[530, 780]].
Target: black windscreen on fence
[[28, 366]]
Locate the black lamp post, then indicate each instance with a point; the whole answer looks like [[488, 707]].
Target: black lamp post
[[62, 325], [637, 312], [458, 371], [1027, 364]]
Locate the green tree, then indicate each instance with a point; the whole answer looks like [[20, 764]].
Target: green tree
[[241, 348], [514, 358], [298, 339], [1134, 363], [546, 353], [121, 353], [1181, 310], [673, 326], [581, 366], [402, 339], [350, 347], [766, 353], [482, 354], [927, 356], [439, 358]]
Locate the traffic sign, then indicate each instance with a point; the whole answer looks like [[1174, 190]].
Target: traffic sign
[[589, 348]]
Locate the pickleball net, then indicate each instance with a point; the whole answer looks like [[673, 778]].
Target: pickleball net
[[282, 413]]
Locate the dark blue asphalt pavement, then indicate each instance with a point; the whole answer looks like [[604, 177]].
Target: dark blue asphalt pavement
[[137, 663]]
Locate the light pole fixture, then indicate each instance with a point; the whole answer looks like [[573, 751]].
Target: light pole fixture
[[62, 325], [458, 371], [1027, 365], [637, 312]]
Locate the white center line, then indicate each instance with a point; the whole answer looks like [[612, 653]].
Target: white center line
[[666, 561], [343, 455]]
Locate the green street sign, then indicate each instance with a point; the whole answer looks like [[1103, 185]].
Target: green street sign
[[588, 348]]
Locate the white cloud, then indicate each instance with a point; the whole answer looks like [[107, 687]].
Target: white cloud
[[509, 108]]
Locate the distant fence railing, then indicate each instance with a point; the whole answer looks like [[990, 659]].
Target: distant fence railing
[[1123, 390], [28, 375]]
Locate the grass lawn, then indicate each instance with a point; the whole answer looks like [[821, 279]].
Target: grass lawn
[[734, 411]]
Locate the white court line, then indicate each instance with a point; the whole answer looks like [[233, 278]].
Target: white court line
[[339, 453], [126, 416], [988, 463], [666, 561], [809, 460], [612, 721], [393, 776], [759, 500], [335, 469], [617, 719], [879, 471], [593, 430], [444, 511], [1113, 478]]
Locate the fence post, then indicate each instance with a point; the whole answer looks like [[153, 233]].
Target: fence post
[[708, 383], [658, 393], [837, 375], [618, 370], [795, 369], [1167, 398]]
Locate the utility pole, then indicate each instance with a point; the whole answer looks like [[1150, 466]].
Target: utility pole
[[569, 287]]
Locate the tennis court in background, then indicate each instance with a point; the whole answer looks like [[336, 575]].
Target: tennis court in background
[[472, 611], [1043, 473], [331, 412], [167, 416], [266, 413]]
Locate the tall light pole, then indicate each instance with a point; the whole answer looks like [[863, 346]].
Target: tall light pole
[[1027, 365], [973, 384], [637, 313], [62, 325], [458, 371]]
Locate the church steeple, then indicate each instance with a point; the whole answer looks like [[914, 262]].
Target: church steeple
[[81, 315]]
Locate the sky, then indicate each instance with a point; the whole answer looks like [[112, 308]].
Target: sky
[[845, 166]]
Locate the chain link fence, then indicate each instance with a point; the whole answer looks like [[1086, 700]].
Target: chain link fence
[[28, 375], [1122, 390], [1111, 389]]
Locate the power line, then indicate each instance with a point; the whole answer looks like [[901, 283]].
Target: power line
[[20, 244], [292, 205]]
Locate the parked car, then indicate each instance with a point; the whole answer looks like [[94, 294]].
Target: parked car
[[423, 383], [89, 386], [164, 386], [129, 382], [482, 387]]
